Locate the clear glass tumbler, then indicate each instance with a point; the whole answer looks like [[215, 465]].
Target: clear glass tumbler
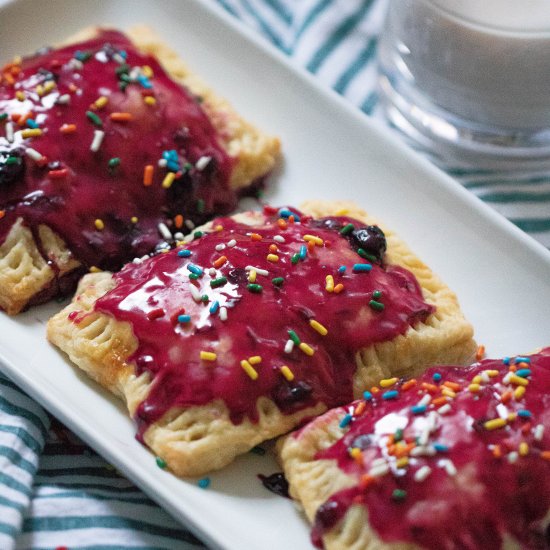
[[470, 78]]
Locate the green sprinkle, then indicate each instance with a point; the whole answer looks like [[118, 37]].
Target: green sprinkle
[[295, 258], [122, 86], [161, 463], [347, 229], [399, 494], [205, 298], [94, 118], [13, 160], [260, 451], [122, 69], [377, 294], [378, 306], [398, 435], [82, 56], [366, 255], [294, 337], [114, 162], [125, 78], [187, 166], [278, 281], [197, 234], [194, 276], [200, 206], [255, 288], [215, 283], [3, 116]]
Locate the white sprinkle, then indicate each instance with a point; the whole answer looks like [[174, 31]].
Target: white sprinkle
[[145, 257], [64, 99], [485, 377], [381, 470], [231, 243], [9, 132], [223, 313], [135, 73], [75, 64], [444, 409], [220, 247], [162, 163], [422, 451], [539, 432], [378, 462], [101, 57], [118, 58], [279, 239], [424, 437], [202, 163], [502, 410], [164, 231], [189, 224], [212, 272], [179, 236], [195, 293], [432, 421], [506, 379], [33, 154], [137, 260], [449, 466], [97, 141], [289, 346], [424, 401], [422, 473], [262, 272], [512, 457]]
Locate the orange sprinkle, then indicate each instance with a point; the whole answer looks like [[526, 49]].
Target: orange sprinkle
[[282, 223], [366, 481], [9, 78], [218, 228], [121, 117], [545, 455], [67, 128], [291, 219], [453, 385], [220, 261], [338, 288], [405, 449], [439, 401], [431, 388], [512, 368], [73, 87], [374, 389], [148, 175], [408, 384], [391, 449], [480, 353], [178, 221], [360, 409], [310, 246], [497, 452], [2, 214], [23, 119], [526, 428], [255, 237], [506, 396], [15, 116], [273, 248]]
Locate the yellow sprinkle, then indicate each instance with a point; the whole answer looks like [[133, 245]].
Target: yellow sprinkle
[[448, 393], [99, 224], [208, 356], [31, 132], [492, 373], [495, 424], [387, 382], [252, 276], [523, 449], [255, 359], [95, 269], [134, 219], [342, 212], [307, 349], [512, 417], [249, 369], [150, 100], [315, 325], [287, 373], [168, 180], [330, 283], [218, 228], [147, 71], [272, 258], [518, 380], [477, 379], [402, 462], [100, 102], [20, 95], [317, 240], [355, 453], [519, 392], [39, 90], [474, 388], [49, 86]]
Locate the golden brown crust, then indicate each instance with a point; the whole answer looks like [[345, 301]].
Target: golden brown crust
[[24, 272], [198, 439]]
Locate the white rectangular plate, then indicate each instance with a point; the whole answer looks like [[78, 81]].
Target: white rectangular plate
[[331, 151]]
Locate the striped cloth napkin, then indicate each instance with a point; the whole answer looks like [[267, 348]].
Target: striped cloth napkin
[[57, 493]]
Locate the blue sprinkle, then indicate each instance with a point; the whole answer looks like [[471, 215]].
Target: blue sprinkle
[[440, 448], [522, 360], [367, 395], [31, 123], [184, 253], [286, 213], [303, 252], [144, 81], [173, 166], [361, 268], [345, 421], [204, 483], [506, 360], [342, 269], [123, 54], [419, 409], [524, 373], [170, 154], [195, 269], [392, 394], [184, 318], [214, 307], [524, 413], [436, 377]]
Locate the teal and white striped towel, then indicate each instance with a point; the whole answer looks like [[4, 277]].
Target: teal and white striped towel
[[56, 493]]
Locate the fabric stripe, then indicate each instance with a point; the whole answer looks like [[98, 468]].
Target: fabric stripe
[[361, 60]]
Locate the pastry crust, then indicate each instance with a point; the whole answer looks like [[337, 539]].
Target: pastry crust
[[24, 271], [202, 438]]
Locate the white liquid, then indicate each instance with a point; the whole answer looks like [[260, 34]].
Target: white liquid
[[487, 61]]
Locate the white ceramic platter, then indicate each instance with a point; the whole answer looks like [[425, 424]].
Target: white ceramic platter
[[501, 276]]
